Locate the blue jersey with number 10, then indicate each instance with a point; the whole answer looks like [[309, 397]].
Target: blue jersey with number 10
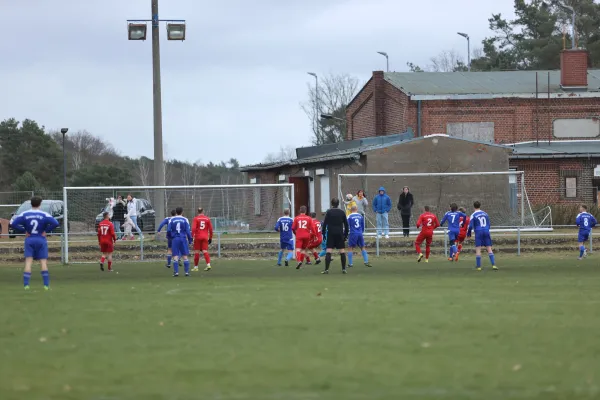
[[480, 222], [284, 227], [585, 221], [356, 223]]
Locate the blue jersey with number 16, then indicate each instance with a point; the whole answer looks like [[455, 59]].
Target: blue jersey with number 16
[[284, 227]]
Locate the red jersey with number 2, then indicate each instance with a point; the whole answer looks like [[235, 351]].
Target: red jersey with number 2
[[317, 231], [303, 226], [106, 232], [464, 226], [428, 221]]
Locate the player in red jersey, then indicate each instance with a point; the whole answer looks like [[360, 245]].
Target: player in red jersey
[[316, 238], [428, 221], [302, 228], [106, 240], [202, 231], [464, 226]]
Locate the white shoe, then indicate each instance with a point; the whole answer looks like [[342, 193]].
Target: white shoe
[[195, 269], [387, 236]]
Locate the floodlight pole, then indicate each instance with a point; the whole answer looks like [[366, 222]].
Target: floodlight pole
[[159, 169]]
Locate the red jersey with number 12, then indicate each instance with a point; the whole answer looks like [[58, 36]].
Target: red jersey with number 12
[[106, 232], [303, 226], [428, 221], [202, 227]]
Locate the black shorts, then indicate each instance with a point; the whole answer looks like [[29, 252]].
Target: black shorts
[[335, 241]]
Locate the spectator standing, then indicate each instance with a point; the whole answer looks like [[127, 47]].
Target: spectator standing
[[405, 203], [382, 204], [132, 213], [119, 210], [361, 202]]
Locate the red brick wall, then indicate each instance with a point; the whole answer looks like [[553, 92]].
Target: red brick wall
[[573, 67], [360, 114]]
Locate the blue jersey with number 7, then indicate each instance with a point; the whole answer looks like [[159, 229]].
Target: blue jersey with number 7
[[453, 218]]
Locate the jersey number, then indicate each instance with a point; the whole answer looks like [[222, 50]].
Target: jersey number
[[178, 227], [285, 227], [585, 222], [202, 225], [319, 228], [429, 222], [302, 224], [357, 223], [34, 227], [104, 230], [482, 222]]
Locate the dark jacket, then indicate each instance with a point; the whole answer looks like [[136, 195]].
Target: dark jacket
[[119, 211], [405, 203]]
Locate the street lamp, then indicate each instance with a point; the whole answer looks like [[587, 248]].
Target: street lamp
[[175, 31], [468, 49], [572, 23], [387, 59], [329, 116], [64, 133], [317, 105]]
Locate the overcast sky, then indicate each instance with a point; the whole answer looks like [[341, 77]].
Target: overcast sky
[[234, 87]]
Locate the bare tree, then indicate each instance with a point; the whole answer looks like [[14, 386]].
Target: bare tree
[[284, 154], [447, 61], [82, 146], [143, 173], [331, 97]]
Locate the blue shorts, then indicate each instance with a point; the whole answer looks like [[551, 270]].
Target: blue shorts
[[453, 235], [180, 247], [286, 245], [583, 236], [36, 247], [356, 240], [483, 239]]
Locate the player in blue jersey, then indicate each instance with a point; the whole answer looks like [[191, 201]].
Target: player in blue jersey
[[181, 236], [356, 223], [286, 237], [36, 223], [453, 217], [165, 223], [480, 223], [585, 221]]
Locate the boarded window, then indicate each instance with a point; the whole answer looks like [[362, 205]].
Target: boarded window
[[570, 187], [576, 128], [478, 131], [324, 193], [256, 197]]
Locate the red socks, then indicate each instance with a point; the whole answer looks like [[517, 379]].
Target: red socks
[[102, 259], [459, 247], [196, 259], [427, 251], [206, 257], [418, 248], [316, 255], [299, 256], [109, 265]]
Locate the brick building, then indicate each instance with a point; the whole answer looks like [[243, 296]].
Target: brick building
[[520, 108]]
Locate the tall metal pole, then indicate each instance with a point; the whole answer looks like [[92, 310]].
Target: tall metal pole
[[318, 105], [469, 53], [64, 162], [159, 171]]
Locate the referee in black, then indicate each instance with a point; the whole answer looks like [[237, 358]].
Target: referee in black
[[336, 226]]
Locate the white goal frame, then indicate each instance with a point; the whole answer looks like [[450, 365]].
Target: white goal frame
[[66, 190], [520, 174]]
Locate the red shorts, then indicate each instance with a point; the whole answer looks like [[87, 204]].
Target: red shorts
[[303, 243], [461, 237], [201, 244], [427, 237], [107, 247], [315, 243]]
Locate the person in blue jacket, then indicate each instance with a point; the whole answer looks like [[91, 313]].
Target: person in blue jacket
[[382, 204]]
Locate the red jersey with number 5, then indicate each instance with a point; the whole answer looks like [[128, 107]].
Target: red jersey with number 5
[[202, 227], [303, 226], [106, 232], [428, 221], [317, 230]]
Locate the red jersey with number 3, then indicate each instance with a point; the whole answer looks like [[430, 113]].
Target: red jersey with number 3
[[106, 232], [202, 227], [428, 221], [464, 226], [303, 227], [317, 230]]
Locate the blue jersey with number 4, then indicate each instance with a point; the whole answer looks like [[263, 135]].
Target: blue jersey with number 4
[[179, 228], [585, 221], [356, 223], [453, 218], [284, 227]]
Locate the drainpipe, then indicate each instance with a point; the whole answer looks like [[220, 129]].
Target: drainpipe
[[418, 118]]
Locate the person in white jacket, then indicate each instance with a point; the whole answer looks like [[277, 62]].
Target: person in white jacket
[[132, 213]]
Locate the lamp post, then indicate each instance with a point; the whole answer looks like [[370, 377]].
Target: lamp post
[[572, 23], [387, 60], [64, 133], [175, 31], [468, 49], [317, 105], [329, 116]]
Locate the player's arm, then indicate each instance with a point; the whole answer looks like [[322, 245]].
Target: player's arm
[[113, 235], [419, 221], [325, 222], [162, 224], [444, 219], [51, 224], [471, 225], [277, 226], [346, 227], [436, 222], [593, 221], [188, 232], [18, 224], [210, 230], [194, 227], [294, 225], [578, 220]]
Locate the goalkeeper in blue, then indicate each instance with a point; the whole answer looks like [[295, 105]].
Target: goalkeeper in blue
[[286, 237], [36, 224], [585, 221], [356, 223], [181, 236], [480, 223], [453, 217]]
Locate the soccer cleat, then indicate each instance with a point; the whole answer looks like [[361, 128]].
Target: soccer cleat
[[46, 288], [195, 269], [585, 253], [168, 266], [478, 269], [420, 257], [187, 274], [279, 265], [350, 265], [450, 259], [579, 258], [175, 275], [287, 264], [208, 268], [325, 272], [368, 265], [299, 265], [456, 256], [26, 287], [318, 261], [344, 271], [426, 260], [101, 267], [308, 263], [494, 268]]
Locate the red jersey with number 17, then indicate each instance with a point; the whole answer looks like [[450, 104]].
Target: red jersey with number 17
[[302, 226], [428, 221], [106, 232]]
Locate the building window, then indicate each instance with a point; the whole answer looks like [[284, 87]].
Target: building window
[[570, 187], [576, 128], [324, 193], [256, 195]]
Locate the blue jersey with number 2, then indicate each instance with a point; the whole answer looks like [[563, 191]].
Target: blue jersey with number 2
[[36, 223]]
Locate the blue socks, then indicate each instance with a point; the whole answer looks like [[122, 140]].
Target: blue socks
[[492, 259], [478, 261], [365, 256], [169, 260], [322, 253], [279, 257], [26, 278], [350, 258], [175, 266], [581, 251], [46, 278], [289, 256], [186, 266]]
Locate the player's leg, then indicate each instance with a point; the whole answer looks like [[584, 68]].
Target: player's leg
[[428, 241], [478, 245], [177, 252], [109, 258], [41, 253], [328, 251], [102, 256], [350, 256], [45, 273], [418, 242], [206, 255], [290, 253], [365, 256], [169, 252], [341, 246], [280, 254], [488, 245], [582, 238]]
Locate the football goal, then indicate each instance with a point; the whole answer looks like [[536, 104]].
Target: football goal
[[233, 209]]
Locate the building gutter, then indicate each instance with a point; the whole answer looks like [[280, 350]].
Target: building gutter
[[488, 96], [552, 156], [418, 118]]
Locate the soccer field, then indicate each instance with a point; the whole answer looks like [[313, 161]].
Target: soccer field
[[249, 330]]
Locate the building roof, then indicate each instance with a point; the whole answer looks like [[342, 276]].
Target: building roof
[[556, 149], [486, 85]]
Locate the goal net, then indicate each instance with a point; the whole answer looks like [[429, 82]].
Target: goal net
[[502, 196], [233, 209]]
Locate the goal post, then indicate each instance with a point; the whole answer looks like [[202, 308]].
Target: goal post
[[247, 208], [501, 193]]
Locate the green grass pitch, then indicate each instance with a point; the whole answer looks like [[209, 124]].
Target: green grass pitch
[[249, 330]]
